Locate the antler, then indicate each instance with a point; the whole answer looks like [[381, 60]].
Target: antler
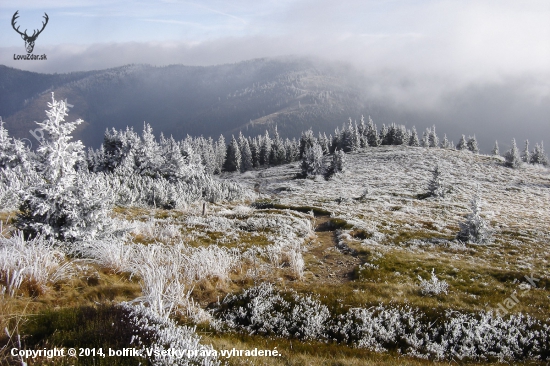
[[34, 35], [15, 16]]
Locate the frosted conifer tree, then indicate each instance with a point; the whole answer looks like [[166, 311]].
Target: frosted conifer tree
[[495, 151], [526, 155], [472, 144], [413, 141], [462, 143], [372, 134], [538, 156], [246, 154], [445, 144], [220, 151], [233, 158], [475, 229], [12, 151], [67, 205], [255, 151], [337, 164], [312, 162], [265, 149], [435, 185], [148, 156], [432, 138], [306, 141], [513, 159], [426, 138]]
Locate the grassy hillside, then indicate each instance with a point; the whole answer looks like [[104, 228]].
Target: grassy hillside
[[366, 239]]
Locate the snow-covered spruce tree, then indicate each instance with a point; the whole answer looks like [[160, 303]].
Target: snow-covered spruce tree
[[462, 143], [233, 159], [337, 164], [445, 144], [312, 162], [433, 140], [513, 159], [413, 140], [495, 151], [306, 141], [277, 154], [265, 149], [538, 156], [13, 152], [475, 229], [372, 134], [425, 142], [472, 144], [246, 154], [435, 185], [526, 155], [66, 205]]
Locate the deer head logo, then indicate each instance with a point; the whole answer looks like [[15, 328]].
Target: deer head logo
[[29, 40]]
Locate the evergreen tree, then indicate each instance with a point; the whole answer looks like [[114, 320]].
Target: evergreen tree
[[148, 156], [324, 142], [462, 143], [383, 133], [372, 134], [350, 138], [472, 144], [265, 149], [255, 151], [513, 159], [233, 157], [413, 140], [220, 151], [445, 144], [362, 131], [495, 151], [475, 229], [433, 140], [312, 162], [66, 205], [12, 151], [246, 154], [435, 185], [336, 141], [426, 138], [526, 155], [337, 164], [277, 154], [306, 140], [538, 156]]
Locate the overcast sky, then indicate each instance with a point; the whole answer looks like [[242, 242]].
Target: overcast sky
[[417, 52]]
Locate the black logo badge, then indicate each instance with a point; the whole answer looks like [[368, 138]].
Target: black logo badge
[[29, 40]]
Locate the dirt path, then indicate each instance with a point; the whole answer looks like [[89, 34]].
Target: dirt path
[[324, 262]]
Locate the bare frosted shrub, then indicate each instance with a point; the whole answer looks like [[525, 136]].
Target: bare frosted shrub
[[434, 286]]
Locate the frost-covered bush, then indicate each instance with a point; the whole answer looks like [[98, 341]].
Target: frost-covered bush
[[454, 335], [35, 262], [263, 310], [475, 229], [155, 334], [380, 328], [434, 286]]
